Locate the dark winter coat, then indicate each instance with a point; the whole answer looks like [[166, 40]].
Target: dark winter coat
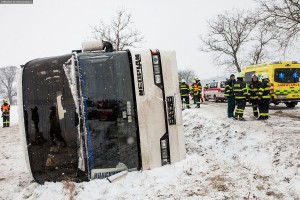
[[229, 88], [240, 89]]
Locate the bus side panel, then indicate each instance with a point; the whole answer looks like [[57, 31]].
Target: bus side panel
[[170, 76], [22, 122], [149, 99]]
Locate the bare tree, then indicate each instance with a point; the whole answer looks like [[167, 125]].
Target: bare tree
[[284, 16], [227, 34], [187, 74], [8, 77], [262, 40], [120, 31]]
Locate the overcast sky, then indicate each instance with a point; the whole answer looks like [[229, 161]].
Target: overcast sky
[[55, 27]]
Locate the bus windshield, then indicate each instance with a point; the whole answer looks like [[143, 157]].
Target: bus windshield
[[287, 75]]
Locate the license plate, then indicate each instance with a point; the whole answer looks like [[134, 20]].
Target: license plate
[[281, 96]]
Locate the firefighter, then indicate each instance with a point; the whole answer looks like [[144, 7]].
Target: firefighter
[[196, 91], [240, 92], [184, 92], [254, 89], [5, 108], [230, 95], [264, 97]]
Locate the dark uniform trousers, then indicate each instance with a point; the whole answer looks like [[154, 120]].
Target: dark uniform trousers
[[184, 91], [255, 105], [264, 94], [264, 108], [185, 99], [239, 111], [5, 120], [240, 93]]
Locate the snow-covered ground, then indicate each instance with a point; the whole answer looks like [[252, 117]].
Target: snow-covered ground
[[225, 159]]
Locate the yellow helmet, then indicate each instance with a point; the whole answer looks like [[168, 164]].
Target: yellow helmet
[[5, 101], [196, 79]]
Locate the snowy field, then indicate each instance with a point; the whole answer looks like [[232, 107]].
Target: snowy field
[[225, 159]]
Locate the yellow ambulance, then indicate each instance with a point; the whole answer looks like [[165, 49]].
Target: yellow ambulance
[[284, 80]]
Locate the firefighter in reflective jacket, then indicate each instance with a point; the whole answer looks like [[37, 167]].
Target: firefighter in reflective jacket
[[230, 96], [264, 97], [240, 92], [5, 108], [184, 92], [196, 91], [254, 89]]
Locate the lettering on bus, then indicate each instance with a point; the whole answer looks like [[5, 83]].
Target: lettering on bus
[[102, 175], [289, 84], [139, 74]]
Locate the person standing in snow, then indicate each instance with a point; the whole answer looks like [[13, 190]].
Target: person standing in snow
[[184, 92], [5, 108], [254, 89], [230, 95], [240, 92], [196, 90], [264, 97]]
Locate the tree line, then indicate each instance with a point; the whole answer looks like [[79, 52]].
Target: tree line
[[238, 37], [235, 38]]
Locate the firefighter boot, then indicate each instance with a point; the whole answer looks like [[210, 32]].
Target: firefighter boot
[[261, 117], [236, 117]]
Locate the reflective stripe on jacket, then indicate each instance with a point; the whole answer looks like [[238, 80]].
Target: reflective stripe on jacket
[[196, 88], [240, 89], [229, 88], [184, 89], [264, 90], [254, 89], [5, 109]]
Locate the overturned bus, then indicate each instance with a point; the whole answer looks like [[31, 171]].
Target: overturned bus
[[91, 114]]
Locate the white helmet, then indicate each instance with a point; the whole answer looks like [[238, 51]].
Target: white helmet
[[240, 75], [264, 76], [254, 75], [182, 81]]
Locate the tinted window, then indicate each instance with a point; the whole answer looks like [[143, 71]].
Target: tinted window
[[213, 85], [110, 109], [49, 116], [290, 75], [222, 84]]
